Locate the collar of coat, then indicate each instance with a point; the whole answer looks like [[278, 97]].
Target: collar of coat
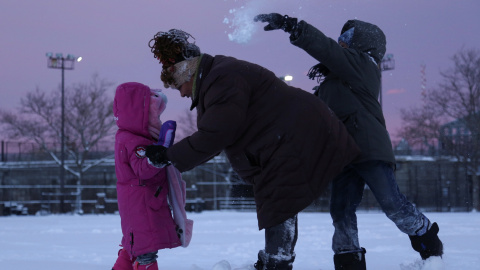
[[203, 68]]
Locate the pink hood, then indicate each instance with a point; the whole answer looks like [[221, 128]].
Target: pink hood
[[130, 107], [146, 219]]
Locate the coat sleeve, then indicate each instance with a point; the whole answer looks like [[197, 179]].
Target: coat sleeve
[[226, 103], [139, 163], [346, 63]]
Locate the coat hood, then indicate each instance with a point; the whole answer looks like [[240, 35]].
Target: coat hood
[[367, 38], [130, 107]]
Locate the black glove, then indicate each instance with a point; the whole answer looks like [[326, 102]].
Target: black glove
[[157, 155], [277, 21]]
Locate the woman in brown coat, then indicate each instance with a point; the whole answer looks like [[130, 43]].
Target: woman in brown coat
[[285, 142]]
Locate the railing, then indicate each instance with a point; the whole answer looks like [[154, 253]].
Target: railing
[[239, 204], [48, 201], [45, 201], [29, 151]]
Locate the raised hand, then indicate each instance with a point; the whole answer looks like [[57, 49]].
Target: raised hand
[[276, 21]]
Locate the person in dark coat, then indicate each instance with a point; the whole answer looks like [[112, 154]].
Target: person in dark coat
[[285, 142], [349, 73]]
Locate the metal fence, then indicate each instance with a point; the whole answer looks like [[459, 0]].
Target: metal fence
[[28, 185], [30, 151]]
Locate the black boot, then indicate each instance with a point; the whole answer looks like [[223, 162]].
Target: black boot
[[350, 261], [428, 244], [278, 262]]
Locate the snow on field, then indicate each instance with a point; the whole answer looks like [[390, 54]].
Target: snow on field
[[59, 242]]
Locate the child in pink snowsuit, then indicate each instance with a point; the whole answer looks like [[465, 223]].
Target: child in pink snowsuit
[[146, 219]]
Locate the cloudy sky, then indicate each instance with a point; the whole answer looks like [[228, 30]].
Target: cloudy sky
[[112, 38]]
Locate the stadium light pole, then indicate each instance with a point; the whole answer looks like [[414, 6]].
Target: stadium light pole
[[387, 63], [57, 61]]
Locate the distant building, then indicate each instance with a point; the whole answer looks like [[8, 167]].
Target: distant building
[[454, 135]]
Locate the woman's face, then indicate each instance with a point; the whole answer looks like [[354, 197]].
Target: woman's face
[[186, 88]]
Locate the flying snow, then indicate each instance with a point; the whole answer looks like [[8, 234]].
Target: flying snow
[[240, 20], [241, 24]]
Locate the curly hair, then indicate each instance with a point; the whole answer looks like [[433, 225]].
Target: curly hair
[[170, 48]]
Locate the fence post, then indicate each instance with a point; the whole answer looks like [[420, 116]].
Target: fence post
[[19, 151], [100, 205], [3, 151]]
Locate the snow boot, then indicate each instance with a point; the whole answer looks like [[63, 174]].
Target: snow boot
[[350, 261], [123, 261], [428, 244], [150, 266], [274, 262]]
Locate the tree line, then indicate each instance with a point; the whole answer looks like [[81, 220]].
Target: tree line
[[448, 119]]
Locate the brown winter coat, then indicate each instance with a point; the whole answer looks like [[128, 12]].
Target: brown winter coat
[[283, 140]]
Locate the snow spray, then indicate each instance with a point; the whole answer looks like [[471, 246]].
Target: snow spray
[[242, 23], [240, 20]]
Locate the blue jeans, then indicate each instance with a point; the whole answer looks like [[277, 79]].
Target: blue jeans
[[347, 193]]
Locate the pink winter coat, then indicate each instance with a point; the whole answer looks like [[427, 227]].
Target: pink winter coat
[[147, 223]]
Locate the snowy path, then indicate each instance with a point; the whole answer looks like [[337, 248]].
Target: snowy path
[[91, 242]]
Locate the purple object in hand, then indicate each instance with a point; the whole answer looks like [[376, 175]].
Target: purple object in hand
[[167, 134]]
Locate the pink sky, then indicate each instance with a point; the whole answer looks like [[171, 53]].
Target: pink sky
[[112, 37]]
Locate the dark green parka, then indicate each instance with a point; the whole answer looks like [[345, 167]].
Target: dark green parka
[[281, 139], [352, 83]]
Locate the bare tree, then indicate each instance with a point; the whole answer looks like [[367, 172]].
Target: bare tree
[[421, 126], [450, 116], [88, 119]]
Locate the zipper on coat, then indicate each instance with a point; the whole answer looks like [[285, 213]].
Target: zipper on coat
[[131, 243], [158, 191]]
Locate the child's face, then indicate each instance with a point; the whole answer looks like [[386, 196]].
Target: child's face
[[343, 44], [157, 106]]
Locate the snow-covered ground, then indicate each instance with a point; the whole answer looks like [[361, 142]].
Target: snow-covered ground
[[59, 242]]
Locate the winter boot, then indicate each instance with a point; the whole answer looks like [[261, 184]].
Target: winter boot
[[350, 261], [274, 262], [123, 261], [150, 266], [428, 244]]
